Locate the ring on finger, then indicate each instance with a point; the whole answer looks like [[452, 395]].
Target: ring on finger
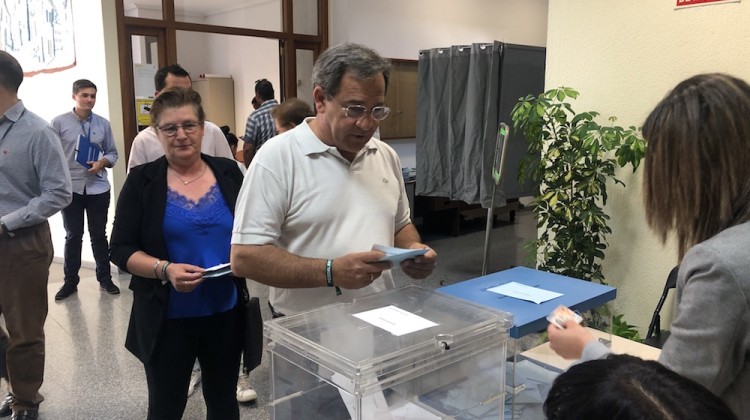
[[372, 277]]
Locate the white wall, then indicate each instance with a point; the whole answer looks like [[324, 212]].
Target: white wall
[[399, 29], [624, 56], [245, 59], [50, 94]]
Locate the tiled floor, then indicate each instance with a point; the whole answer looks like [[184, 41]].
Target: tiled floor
[[90, 375]]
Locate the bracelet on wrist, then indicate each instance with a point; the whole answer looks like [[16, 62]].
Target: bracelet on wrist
[[164, 271], [329, 276], [155, 269]]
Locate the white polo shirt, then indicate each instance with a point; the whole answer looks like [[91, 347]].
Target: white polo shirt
[[146, 146], [302, 196]]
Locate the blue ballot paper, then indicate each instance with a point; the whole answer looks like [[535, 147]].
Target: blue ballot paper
[[86, 151]]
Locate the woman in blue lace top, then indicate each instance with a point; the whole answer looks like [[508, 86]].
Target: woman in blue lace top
[[173, 220]]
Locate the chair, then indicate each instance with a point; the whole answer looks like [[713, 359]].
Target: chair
[[655, 337]]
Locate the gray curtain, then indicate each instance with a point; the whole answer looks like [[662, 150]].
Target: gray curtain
[[457, 122]]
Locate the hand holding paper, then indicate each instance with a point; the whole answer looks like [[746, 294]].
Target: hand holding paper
[[217, 271], [396, 255]]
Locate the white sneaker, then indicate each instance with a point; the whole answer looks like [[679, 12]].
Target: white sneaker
[[244, 392], [195, 379]]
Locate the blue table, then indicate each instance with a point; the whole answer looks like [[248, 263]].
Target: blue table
[[529, 317]]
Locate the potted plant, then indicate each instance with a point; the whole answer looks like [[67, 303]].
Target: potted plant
[[573, 158]]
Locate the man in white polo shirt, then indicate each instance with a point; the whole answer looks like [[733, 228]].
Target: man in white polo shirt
[[318, 197], [146, 146]]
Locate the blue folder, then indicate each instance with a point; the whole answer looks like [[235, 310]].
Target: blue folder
[[85, 151], [529, 317]]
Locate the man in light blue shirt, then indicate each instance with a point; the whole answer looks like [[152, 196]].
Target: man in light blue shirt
[[35, 185], [80, 131]]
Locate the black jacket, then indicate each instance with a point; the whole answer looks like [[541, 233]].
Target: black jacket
[[138, 227]]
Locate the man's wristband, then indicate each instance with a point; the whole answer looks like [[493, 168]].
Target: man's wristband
[[329, 276]]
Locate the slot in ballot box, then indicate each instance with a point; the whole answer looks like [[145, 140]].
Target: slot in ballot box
[[528, 380], [407, 353]]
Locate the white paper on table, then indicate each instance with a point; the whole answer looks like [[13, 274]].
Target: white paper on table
[[396, 255], [395, 320], [217, 271], [524, 292]]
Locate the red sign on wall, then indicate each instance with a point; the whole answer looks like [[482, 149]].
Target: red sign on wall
[[689, 3]]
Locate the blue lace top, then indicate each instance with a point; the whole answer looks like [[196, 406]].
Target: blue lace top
[[199, 233]]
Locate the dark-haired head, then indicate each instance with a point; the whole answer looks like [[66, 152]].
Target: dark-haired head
[[623, 387], [160, 78], [11, 73], [264, 89], [697, 180], [82, 84]]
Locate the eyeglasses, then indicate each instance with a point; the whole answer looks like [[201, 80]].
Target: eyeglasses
[[378, 113], [171, 129]]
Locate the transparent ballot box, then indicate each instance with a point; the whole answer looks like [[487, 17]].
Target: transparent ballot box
[[407, 353], [531, 366]]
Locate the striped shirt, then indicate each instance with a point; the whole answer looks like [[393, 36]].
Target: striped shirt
[[260, 126], [33, 170]]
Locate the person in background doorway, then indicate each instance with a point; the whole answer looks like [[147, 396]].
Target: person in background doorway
[[174, 219], [35, 185], [90, 187], [697, 186], [146, 146], [259, 126], [290, 113], [232, 140]]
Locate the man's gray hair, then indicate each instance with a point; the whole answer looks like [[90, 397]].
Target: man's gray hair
[[362, 62]]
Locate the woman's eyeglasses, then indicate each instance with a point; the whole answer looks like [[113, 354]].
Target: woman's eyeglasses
[[170, 130]]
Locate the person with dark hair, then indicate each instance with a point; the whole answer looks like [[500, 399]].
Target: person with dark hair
[[35, 185], [697, 186], [146, 146], [290, 113], [259, 127], [173, 220], [90, 187], [622, 387], [232, 140], [172, 75], [321, 195]]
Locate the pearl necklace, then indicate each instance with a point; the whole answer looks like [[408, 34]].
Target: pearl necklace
[[192, 180]]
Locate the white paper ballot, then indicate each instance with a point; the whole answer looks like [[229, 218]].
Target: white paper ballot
[[524, 292], [396, 255], [395, 320], [217, 271]]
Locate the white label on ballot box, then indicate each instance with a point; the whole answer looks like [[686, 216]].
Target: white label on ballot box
[[524, 292], [395, 320]]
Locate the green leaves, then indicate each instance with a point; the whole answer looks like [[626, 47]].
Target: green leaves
[[573, 158]]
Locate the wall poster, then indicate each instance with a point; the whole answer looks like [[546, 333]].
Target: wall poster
[[39, 34]]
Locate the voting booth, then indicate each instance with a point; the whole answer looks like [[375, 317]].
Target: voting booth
[[407, 353], [530, 296]]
